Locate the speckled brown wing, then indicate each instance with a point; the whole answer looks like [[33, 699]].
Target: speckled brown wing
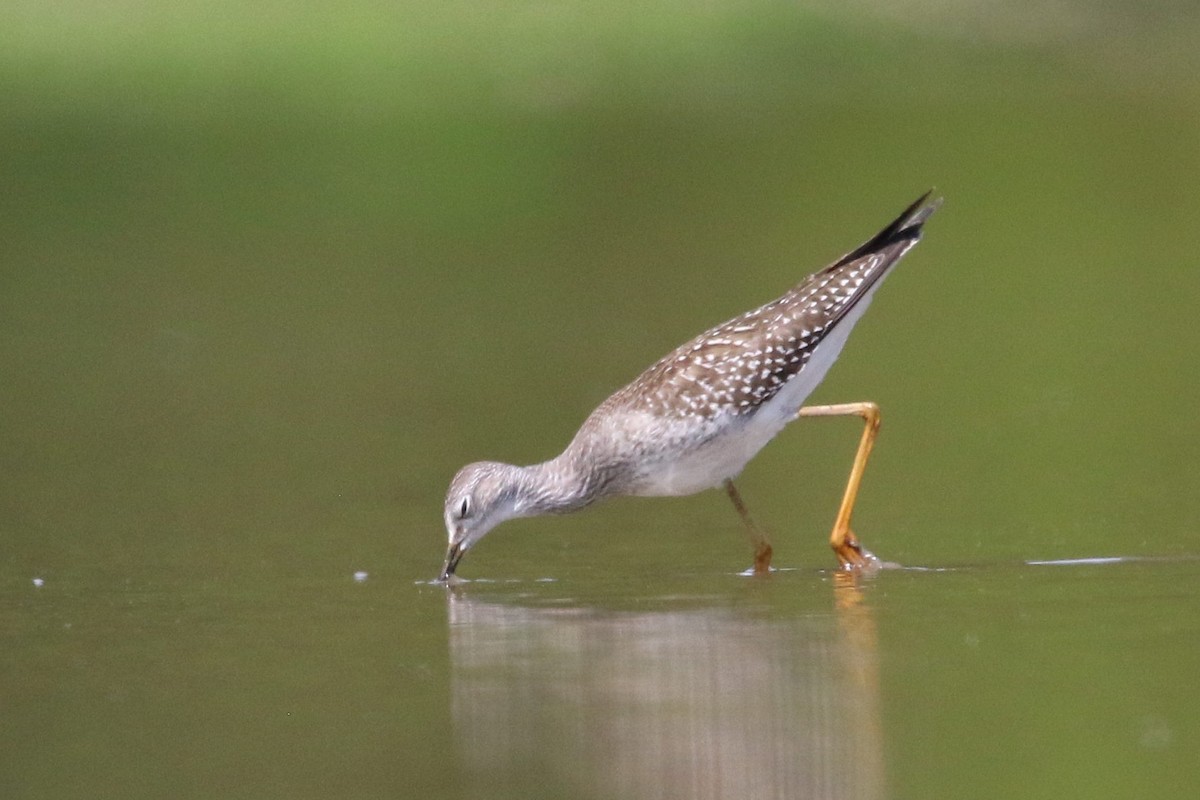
[[744, 362]]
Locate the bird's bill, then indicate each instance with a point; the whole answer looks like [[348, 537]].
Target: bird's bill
[[453, 556]]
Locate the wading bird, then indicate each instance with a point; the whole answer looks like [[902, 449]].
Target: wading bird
[[695, 418]]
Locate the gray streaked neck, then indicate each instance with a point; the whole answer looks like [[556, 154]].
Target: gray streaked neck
[[557, 486]]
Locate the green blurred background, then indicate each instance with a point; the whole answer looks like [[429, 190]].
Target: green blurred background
[[270, 273]]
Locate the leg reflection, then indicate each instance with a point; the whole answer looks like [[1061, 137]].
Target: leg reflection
[[778, 702]]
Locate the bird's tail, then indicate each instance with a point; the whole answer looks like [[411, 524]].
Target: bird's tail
[[905, 228]]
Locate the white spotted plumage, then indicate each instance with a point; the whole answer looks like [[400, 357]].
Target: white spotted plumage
[[695, 418], [698, 415]]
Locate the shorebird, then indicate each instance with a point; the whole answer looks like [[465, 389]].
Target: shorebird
[[695, 418]]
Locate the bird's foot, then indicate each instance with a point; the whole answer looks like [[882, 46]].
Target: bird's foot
[[852, 556], [762, 559]]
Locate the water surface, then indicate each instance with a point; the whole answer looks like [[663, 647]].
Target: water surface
[[268, 280]]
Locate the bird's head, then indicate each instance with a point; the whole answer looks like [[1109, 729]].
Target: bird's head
[[481, 496]]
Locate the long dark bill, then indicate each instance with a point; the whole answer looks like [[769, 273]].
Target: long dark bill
[[453, 556]]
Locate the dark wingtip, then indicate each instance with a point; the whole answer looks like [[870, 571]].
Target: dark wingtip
[[907, 226], [915, 215]]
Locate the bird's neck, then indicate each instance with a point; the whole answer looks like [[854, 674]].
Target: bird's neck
[[557, 486]]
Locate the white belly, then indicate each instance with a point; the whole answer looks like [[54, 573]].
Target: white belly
[[705, 466], [682, 470]]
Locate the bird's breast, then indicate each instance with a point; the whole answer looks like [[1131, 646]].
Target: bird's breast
[[697, 462]]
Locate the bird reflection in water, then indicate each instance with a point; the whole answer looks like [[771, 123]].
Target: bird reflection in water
[[697, 703]]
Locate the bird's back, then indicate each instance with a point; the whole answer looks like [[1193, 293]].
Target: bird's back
[[695, 417]]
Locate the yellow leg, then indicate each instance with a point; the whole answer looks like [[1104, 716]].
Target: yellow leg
[[851, 554], [758, 539]]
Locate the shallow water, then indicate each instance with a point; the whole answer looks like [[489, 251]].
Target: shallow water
[[1013, 680], [1002, 680], [266, 282]]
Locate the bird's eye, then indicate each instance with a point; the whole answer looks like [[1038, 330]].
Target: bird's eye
[[465, 508]]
